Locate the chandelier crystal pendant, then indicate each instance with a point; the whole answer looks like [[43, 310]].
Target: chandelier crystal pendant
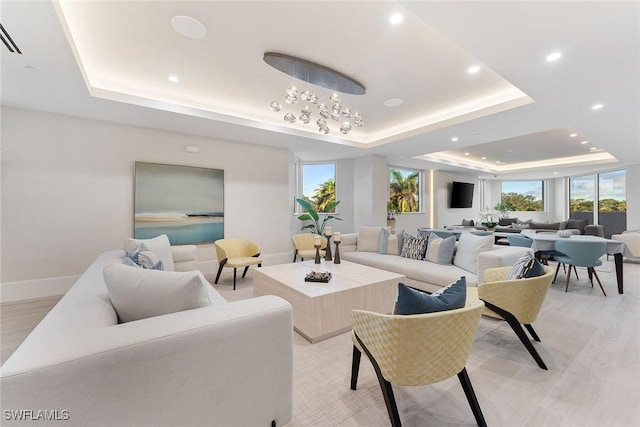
[[324, 77]]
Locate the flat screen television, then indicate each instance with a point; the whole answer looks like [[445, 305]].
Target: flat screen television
[[461, 195]]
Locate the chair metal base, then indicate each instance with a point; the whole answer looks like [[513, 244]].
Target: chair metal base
[[387, 390], [244, 273], [517, 328], [590, 271]]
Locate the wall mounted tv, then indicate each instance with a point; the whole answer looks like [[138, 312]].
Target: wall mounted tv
[[461, 195]]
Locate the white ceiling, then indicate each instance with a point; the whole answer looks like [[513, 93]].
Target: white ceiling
[[111, 60]]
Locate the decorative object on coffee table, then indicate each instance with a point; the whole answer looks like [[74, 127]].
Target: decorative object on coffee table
[[336, 239], [318, 276], [316, 245], [327, 234]]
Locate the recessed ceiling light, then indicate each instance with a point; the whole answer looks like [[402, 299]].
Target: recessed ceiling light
[[483, 158], [555, 173], [511, 151], [597, 106], [192, 149], [498, 161], [573, 135], [174, 79], [188, 27], [593, 149], [466, 154], [396, 18], [473, 70], [584, 142], [454, 139], [393, 102], [554, 56]]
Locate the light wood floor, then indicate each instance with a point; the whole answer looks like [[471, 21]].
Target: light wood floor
[[590, 343]]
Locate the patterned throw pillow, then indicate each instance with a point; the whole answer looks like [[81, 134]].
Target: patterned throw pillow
[[414, 247], [526, 266], [412, 301], [440, 250], [142, 257]]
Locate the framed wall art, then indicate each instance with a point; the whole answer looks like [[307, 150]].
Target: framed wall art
[[186, 203]]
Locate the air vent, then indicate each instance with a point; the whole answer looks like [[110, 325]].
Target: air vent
[[8, 41]]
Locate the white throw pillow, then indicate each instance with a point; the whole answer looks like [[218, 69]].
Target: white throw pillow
[[138, 293], [469, 246], [160, 246], [369, 239]]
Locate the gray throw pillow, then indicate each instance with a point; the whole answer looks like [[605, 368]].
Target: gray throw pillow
[[440, 250], [412, 301]]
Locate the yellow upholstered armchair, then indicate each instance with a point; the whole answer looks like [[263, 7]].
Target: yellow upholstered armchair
[[417, 350], [234, 253], [516, 301], [303, 247]]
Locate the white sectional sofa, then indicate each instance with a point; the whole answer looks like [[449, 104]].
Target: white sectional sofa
[[426, 275], [229, 364]]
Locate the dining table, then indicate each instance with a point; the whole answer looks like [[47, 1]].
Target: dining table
[[546, 242]]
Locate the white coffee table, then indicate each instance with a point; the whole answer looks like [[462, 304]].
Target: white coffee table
[[323, 310]]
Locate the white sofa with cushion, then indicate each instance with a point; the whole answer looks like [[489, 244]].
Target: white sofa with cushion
[[631, 239], [423, 274], [225, 364]]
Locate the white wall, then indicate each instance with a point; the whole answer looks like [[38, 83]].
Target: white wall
[[633, 197], [67, 194], [442, 187]]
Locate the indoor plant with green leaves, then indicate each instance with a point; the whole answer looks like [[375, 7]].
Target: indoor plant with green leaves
[[312, 218]]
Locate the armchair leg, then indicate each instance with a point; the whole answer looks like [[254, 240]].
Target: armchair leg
[[517, 328], [387, 391], [465, 382], [235, 270], [355, 367], [532, 332], [222, 263], [244, 273], [566, 286], [557, 269]]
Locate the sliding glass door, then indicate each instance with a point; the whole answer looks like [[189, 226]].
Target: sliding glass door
[[581, 198]]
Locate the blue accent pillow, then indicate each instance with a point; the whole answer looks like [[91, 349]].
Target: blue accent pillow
[[141, 258], [440, 250], [411, 301], [534, 269], [526, 266], [384, 240]]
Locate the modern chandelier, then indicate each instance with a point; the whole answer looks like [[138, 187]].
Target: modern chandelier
[[318, 75]]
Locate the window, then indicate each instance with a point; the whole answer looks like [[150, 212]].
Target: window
[[523, 195], [582, 195], [319, 185], [609, 189], [404, 190]]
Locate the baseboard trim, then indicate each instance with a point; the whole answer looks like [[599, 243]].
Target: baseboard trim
[[53, 286], [36, 288]]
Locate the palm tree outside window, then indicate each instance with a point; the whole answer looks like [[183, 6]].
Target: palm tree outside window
[[404, 190], [319, 185]]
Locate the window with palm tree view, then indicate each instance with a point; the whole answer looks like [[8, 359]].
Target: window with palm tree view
[[523, 195], [404, 190], [319, 185]]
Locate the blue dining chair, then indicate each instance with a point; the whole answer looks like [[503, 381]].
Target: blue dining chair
[[580, 253], [519, 240]]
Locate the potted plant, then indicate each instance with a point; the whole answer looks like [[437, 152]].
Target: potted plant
[[504, 208], [314, 224]]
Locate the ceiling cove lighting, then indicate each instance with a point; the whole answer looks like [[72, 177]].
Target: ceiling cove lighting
[[396, 18], [319, 75], [473, 70], [554, 56], [597, 107]]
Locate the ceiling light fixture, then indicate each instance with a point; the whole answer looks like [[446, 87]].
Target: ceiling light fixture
[[454, 139], [584, 142], [554, 56], [174, 79], [593, 149], [396, 18], [597, 106], [324, 77], [466, 154], [473, 70], [483, 158], [573, 135]]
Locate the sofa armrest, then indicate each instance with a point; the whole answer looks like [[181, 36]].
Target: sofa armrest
[[632, 240], [349, 242], [185, 368], [185, 257], [503, 257]]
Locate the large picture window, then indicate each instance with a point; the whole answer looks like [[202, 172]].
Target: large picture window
[[523, 195], [609, 190], [319, 185], [404, 190]]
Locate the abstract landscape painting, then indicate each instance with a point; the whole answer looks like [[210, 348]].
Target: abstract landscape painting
[[185, 203]]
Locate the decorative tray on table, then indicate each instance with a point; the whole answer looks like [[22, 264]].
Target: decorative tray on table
[[318, 276]]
